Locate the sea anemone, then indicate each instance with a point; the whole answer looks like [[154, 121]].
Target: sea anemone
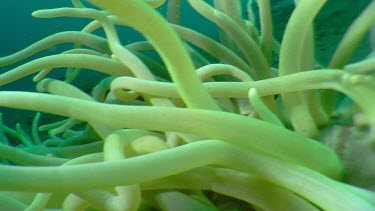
[[243, 123]]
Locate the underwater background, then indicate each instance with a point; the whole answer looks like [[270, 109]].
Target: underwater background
[[19, 29], [320, 156]]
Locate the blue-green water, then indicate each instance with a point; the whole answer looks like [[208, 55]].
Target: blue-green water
[[19, 29]]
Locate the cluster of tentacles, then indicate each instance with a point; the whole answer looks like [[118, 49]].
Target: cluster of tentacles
[[209, 125]]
